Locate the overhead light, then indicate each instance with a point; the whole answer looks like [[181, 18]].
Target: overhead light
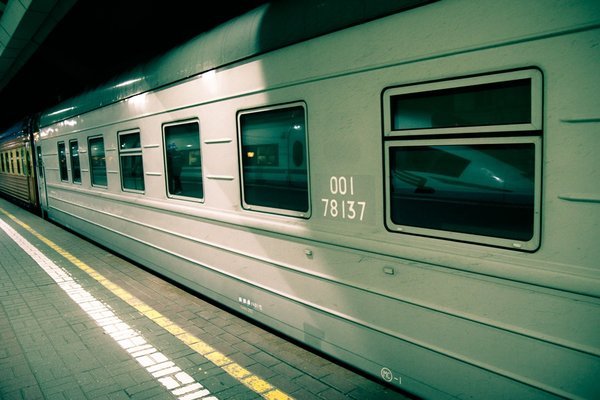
[[129, 82], [61, 111]]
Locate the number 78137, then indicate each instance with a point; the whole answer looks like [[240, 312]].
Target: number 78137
[[345, 209]]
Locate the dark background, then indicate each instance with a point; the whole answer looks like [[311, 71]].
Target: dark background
[[97, 40]]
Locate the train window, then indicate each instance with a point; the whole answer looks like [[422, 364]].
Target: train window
[[507, 102], [485, 187], [23, 161], [18, 161], [97, 161], [26, 162], [62, 162], [483, 183], [75, 165], [274, 165], [183, 160], [130, 155]]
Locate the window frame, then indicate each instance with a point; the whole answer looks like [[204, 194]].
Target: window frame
[[23, 168], [531, 132], [165, 155], [27, 165], [265, 209], [64, 178], [136, 152], [531, 244], [534, 75], [18, 161], [71, 157], [89, 140]]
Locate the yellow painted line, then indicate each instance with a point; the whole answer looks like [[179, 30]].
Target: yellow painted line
[[236, 371], [257, 384], [163, 370], [202, 348], [251, 381]]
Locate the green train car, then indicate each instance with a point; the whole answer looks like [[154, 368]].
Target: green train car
[[17, 174]]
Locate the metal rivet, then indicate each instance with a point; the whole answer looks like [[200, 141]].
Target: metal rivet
[[389, 270]]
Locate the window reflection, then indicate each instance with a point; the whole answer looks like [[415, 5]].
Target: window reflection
[[500, 103], [484, 189], [183, 159], [274, 165], [97, 161], [62, 162], [132, 169], [75, 166]]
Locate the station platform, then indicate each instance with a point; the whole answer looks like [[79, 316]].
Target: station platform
[[79, 322]]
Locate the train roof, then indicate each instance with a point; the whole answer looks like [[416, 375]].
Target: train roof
[[266, 28]]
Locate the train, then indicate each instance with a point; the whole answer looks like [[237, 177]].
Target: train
[[18, 179], [411, 188]]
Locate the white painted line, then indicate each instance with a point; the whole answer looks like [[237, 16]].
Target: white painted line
[[156, 363]]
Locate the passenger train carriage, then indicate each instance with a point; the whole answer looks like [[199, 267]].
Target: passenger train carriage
[[415, 194], [17, 175]]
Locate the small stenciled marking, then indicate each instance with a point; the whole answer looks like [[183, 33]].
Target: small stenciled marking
[[247, 303], [342, 203], [388, 376]]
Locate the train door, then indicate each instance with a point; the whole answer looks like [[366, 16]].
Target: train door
[[30, 173], [42, 192]]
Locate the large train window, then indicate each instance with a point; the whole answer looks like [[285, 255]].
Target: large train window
[[183, 160], [97, 161], [62, 162], [463, 159], [273, 160], [75, 165], [130, 155]]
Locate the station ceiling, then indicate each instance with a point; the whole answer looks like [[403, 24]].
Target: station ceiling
[[53, 49]]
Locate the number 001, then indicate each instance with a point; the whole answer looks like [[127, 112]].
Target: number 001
[[341, 184]]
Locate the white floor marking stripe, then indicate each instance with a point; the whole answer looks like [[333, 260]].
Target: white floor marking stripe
[[157, 364]]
